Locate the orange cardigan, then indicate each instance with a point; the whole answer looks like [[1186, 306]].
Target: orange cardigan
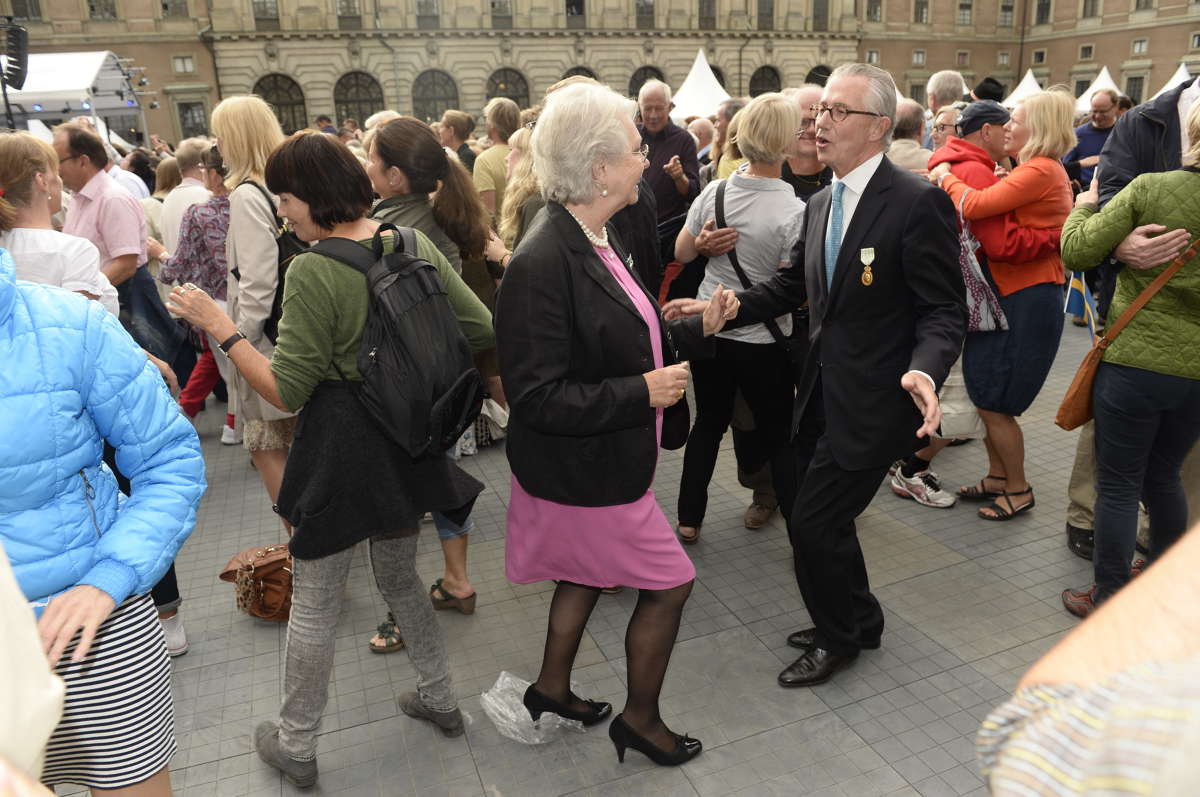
[[1039, 195]]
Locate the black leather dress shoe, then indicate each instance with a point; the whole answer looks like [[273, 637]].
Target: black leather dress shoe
[[806, 639], [1080, 542], [816, 666]]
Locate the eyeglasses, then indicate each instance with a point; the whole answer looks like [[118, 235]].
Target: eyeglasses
[[807, 127], [838, 112], [73, 157], [529, 125], [642, 152], [942, 128]]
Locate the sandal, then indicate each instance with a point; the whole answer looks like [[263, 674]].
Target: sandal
[[1007, 514], [390, 634], [444, 600], [980, 492], [687, 539]]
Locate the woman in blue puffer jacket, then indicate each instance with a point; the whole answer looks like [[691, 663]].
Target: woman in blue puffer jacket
[[71, 378]]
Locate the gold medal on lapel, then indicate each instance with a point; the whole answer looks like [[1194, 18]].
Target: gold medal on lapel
[[867, 276], [867, 256]]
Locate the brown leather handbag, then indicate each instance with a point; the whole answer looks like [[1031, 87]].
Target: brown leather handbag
[[1076, 407], [262, 578]]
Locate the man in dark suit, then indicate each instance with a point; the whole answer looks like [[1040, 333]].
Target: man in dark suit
[[878, 264]]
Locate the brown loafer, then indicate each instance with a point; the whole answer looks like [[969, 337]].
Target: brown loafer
[[757, 516]]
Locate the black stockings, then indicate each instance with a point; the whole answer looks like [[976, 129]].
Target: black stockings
[[648, 643]]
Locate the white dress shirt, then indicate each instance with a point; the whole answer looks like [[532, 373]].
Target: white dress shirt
[[189, 192], [856, 183], [130, 182]]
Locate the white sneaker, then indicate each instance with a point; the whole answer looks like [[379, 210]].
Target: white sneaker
[[177, 643], [923, 487], [895, 466], [230, 436]]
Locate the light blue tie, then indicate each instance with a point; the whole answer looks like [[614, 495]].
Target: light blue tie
[[833, 241]]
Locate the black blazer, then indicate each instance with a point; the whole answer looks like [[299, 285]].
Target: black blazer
[[573, 349], [864, 337]]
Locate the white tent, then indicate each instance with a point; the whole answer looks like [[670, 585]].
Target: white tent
[[1028, 85], [62, 85], [1181, 74], [700, 93], [1103, 81]]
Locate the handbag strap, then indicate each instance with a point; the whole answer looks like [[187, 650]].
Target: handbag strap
[[770, 324], [1147, 294]]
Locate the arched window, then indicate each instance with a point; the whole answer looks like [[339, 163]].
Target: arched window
[[509, 83], [579, 70], [286, 98], [764, 79], [719, 74], [433, 94], [641, 76], [819, 74], [356, 96]]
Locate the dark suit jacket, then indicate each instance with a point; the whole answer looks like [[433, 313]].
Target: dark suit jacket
[[573, 349], [863, 338]]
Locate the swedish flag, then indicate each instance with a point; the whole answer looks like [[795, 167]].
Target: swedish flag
[[1080, 302]]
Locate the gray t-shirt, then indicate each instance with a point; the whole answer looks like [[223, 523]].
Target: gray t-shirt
[[768, 216]]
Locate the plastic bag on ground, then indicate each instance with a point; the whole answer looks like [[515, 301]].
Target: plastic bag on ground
[[504, 705]]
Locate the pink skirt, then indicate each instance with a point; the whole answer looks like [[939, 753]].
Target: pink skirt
[[627, 545]]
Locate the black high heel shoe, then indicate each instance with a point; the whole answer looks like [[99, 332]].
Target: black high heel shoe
[[537, 703], [686, 748]]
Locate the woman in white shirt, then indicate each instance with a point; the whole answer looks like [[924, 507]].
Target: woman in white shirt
[[30, 193]]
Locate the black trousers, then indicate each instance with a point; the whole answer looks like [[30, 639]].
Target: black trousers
[[762, 372], [165, 593], [820, 501]]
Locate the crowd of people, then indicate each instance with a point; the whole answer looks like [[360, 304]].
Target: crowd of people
[[849, 281]]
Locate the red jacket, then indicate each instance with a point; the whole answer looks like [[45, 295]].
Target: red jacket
[[1001, 238]]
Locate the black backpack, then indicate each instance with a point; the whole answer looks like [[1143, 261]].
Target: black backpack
[[420, 383], [288, 246]]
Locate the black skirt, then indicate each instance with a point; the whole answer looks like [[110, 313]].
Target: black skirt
[[345, 481]]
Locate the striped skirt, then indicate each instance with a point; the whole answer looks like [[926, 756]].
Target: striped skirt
[[118, 724]]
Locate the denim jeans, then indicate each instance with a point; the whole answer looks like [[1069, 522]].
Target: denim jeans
[[1146, 423], [318, 588]]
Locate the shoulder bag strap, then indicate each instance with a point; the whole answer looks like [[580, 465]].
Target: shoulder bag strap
[[770, 324], [1147, 294], [270, 202]]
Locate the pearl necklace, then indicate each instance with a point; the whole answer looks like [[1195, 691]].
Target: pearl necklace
[[598, 241]]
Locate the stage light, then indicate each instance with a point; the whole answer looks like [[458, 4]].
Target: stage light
[[87, 106], [37, 107], [131, 103]]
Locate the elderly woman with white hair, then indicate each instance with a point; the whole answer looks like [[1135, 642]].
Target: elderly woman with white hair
[[595, 379]]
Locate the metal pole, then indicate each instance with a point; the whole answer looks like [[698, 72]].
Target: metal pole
[[12, 125]]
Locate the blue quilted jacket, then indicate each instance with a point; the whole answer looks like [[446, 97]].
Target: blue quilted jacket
[[70, 378]]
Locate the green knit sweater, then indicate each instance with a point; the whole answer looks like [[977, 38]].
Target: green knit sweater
[[325, 309], [1165, 336]]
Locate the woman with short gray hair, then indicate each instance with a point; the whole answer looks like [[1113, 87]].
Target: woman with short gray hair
[[594, 381]]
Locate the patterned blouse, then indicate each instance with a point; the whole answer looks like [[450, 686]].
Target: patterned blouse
[[200, 258]]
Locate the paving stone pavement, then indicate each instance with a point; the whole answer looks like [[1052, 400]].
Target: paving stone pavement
[[970, 604]]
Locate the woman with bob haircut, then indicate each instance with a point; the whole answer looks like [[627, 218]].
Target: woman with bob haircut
[[247, 131], [1147, 390], [325, 193], [589, 367], [1005, 370], [768, 217], [407, 166]]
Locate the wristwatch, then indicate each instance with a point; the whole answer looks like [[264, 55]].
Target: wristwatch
[[230, 341]]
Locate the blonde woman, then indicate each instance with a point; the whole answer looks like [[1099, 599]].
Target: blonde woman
[[524, 196], [1005, 370], [247, 132], [767, 216], [731, 156]]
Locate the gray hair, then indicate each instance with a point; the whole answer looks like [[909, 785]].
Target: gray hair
[[945, 87], [580, 128], [881, 93], [655, 85]]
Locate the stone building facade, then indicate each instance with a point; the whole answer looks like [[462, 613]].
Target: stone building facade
[[349, 58]]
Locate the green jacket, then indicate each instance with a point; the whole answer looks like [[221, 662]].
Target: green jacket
[[325, 306], [1165, 336]]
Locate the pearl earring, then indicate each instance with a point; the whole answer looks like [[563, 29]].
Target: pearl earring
[[603, 192]]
